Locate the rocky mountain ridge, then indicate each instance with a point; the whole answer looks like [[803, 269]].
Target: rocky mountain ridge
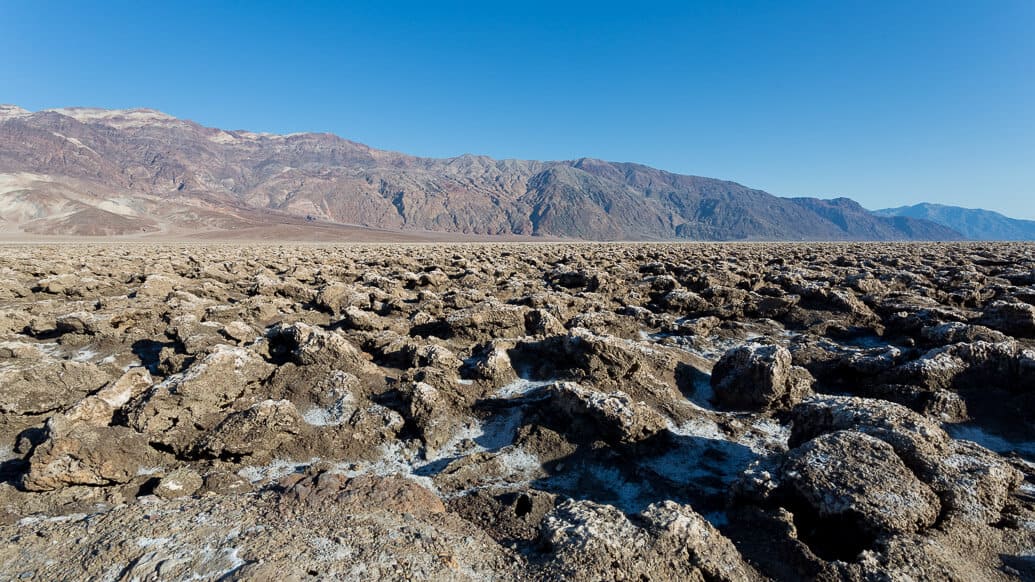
[[80, 171], [973, 223]]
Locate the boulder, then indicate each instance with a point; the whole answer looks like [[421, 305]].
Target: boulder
[[99, 408], [919, 441], [309, 345], [432, 413], [487, 321], [338, 493], [590, 541], [83, 322], [239, 331], [89, 455], [613, 417], [494, 364], [253, 432], [47, 385], [759, 377], [157, 286], [180, 408], [972, 482], [1012, 318], [860, 483]]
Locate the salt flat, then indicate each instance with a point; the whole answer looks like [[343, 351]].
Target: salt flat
[[238, 410]]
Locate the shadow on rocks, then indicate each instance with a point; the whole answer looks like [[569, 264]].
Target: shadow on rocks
[[149, 353]]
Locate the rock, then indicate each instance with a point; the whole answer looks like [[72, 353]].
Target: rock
[[222, 482], [1012, 318], [609, 363], [694, 539], [179, 483], [487, 321], [972, 482], [939, 405], [920, 442], [494, 365], [775, 306], [89, 455], [510, 466], [432, 414], [239, 331], [196, 337], [255, 432], [613, 417], [293, 379], [959, 332], [576, 280], [435, 356], [979, 364], [684, 302], [83, 322], [178, 409], [47, 385], [540, 322], [758, 377], [335, 297], [858, 482], [157, 286], [13, 321], [392, 494], [17, 350], [312, 346], [597, 542], [356, 318], [99, 408]]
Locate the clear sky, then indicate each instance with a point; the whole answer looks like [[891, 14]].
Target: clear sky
[[887, 102]]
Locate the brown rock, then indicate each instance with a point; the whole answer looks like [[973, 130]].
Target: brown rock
[[182, 482], [89, 455], [614, 417], [758, 377]]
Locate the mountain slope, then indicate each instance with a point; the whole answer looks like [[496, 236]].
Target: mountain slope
[[858, 222], [975, 224], [64, 170]]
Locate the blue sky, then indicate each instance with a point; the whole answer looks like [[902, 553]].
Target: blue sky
[[889, 103]]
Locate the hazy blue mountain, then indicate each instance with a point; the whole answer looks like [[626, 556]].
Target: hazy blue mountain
[[973, 223]]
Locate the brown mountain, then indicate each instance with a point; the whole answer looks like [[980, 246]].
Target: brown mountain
[[84, 171]]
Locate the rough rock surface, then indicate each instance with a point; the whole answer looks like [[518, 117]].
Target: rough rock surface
[[89, 455], [535, 412], [859, 481], [613, 417], [756, 377], [673, 543]]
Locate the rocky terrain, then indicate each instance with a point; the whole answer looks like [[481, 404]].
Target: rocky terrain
[[142, 173], [523, 411]]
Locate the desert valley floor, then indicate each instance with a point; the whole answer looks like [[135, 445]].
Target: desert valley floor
[[517, 411]]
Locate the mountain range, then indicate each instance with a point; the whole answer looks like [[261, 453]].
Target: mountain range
[[972, 223], [140, 172]]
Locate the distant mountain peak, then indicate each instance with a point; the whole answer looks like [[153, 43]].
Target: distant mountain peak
[[972, 223], [7, 110], [118, 118]]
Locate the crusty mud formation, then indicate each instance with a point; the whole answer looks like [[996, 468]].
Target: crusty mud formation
[[637, 412]]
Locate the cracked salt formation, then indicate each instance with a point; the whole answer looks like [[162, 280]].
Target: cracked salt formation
[[517, 411]]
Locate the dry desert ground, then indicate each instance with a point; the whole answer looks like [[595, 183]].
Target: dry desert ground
[[719, 412]]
